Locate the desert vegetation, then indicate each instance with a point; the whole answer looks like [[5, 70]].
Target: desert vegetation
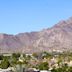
[[54, 61]]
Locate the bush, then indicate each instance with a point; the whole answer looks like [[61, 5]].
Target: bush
[[1, 57], [5, 64], [43, 66], [16, 55]]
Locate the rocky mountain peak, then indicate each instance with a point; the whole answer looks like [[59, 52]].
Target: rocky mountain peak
[[63, 24]]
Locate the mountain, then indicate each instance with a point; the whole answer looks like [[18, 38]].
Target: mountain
[[58, 37]]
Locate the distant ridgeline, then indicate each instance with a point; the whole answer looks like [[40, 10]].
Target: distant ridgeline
[[58, 38]]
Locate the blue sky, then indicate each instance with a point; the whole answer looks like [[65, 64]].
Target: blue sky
[[17, 16]]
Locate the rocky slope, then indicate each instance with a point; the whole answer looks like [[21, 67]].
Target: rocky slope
[[58, 37]]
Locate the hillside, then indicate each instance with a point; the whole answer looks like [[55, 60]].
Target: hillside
[[58, 37]]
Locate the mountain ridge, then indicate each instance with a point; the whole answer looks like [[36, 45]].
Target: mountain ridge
[[57, 37]]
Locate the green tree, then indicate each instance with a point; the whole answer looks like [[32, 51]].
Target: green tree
[[1, 57], [5, 64], [16, 55], [35, 55], [46, 55], [70, 69], [43, 66]]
